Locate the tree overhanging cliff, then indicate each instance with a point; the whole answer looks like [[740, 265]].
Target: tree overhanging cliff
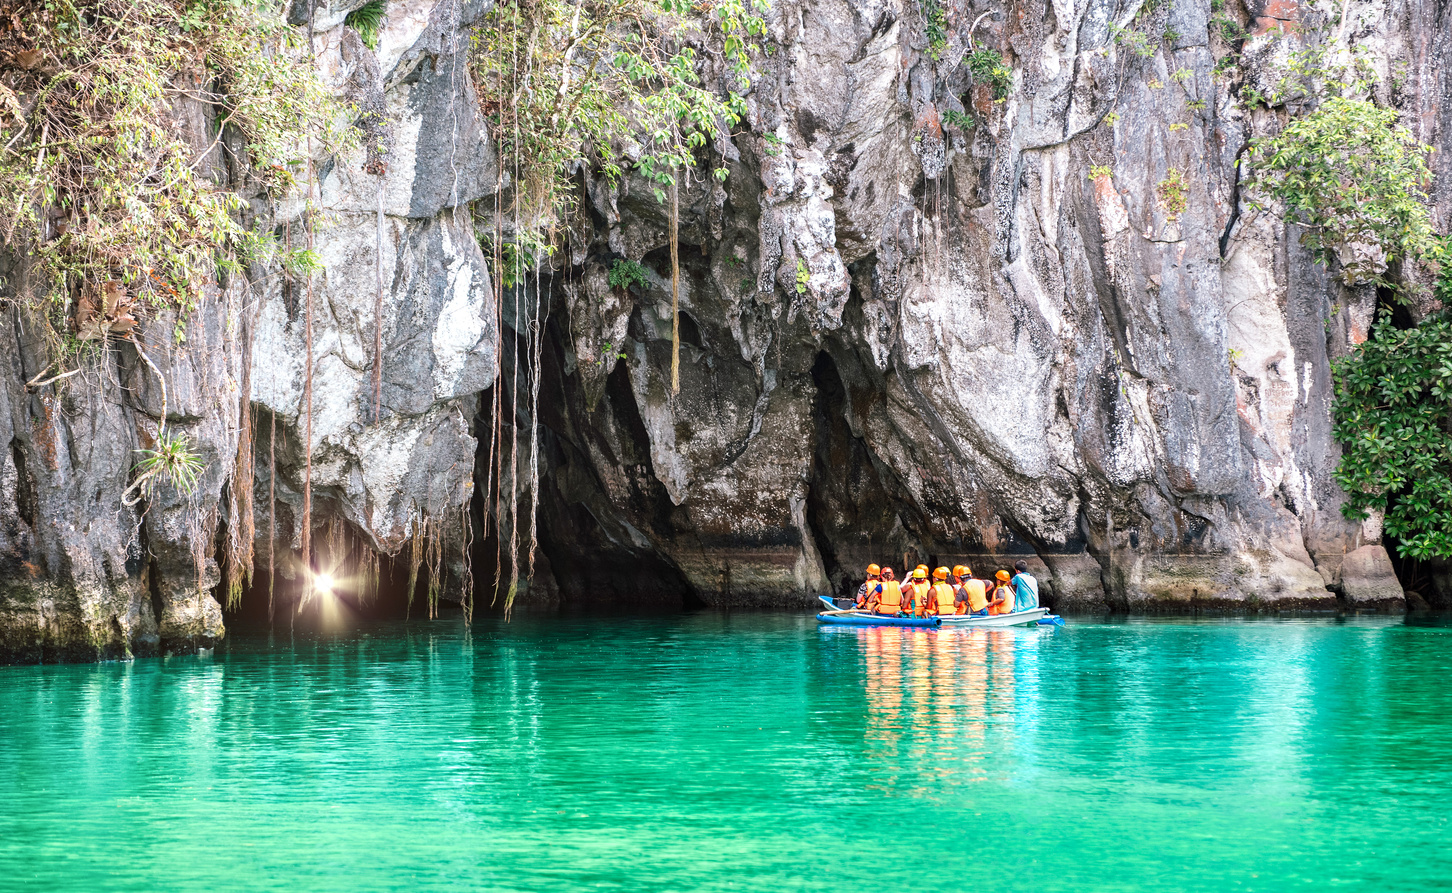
[[965, 280]]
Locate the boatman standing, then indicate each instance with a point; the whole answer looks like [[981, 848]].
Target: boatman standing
[[1025, 587]]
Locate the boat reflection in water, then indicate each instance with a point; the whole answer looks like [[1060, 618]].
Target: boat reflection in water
[[956, 699]]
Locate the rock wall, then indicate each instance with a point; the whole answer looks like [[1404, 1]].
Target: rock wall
[[915, 338], [913, 328]]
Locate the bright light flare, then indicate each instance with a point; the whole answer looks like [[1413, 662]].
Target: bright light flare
[[323, 584]]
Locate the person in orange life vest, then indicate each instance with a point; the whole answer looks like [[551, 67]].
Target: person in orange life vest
[[916, 593], [942, 599], [972, 591], [886, 599], [874, 576], [1002, 596]]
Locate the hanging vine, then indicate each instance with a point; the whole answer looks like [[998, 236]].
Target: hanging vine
[[612, 88]]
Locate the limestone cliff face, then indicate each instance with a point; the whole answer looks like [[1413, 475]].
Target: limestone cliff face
[[913, 329], [990, 352]]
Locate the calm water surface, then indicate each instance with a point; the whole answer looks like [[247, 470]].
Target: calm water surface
[[742, 752]]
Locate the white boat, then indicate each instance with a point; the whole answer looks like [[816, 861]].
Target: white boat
[[1017, 618]]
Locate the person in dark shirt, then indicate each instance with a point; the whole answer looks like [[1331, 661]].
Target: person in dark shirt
[[874, 577]]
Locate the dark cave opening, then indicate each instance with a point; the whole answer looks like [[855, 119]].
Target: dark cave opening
[[851, 512], [352, 597], [590, 550]]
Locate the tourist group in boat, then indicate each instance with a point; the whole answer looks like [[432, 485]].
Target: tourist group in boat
[[884, 595]]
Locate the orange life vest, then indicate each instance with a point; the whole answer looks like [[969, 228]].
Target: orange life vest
[[977, 595], [1005, 593], [944, 599], [889, 597], [917, 598]]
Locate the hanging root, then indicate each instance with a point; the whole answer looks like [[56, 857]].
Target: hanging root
[[415, 558], [272, 522], [675, 290]]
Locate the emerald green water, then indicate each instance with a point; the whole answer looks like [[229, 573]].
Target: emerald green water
[[742, 752]]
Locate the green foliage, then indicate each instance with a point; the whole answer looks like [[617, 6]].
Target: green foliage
[[1442, 256], [960, 120], [1392, 413], [988, 67], [1179, 126], [935, 24], [804, 276], [1100, 172], [173, 460], [1349, 173], [1111, 119], [1171, 193], [625, 273], [611, 86], [1228, 28], [1196, 105], [1182, 76], [302, 262], [611, 353], [367, 20], [1132, 40], [99, 182]]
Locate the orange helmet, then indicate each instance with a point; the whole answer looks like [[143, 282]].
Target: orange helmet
[[940, 574], [873, 570], [1002, 575], [921, 567], [887, 573], [962, 570]]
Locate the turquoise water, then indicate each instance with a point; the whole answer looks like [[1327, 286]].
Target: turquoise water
[[742, 752]]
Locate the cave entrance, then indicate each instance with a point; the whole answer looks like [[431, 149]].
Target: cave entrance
[[851, 512], [601, 546], [351, 598]]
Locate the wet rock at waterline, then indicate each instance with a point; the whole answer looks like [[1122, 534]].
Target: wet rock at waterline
[[912, 329]]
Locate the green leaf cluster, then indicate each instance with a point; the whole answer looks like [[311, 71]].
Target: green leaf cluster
[[611, 86], [624, 274], [1350, 173], [988, 67], [367, 20], [102, 178], [173, 460], [1392, 413], [935, 24], [1172, 193]]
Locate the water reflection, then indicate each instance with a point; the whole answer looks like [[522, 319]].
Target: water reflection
[[961, 701]]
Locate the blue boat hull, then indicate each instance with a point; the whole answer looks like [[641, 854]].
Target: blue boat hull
[[855, 619]]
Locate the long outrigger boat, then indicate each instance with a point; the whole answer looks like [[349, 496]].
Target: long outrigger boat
[[853, 617]]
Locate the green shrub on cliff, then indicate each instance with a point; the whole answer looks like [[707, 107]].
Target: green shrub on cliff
[[1352, 175], [1392, 414], [613, 86], [102, 181]]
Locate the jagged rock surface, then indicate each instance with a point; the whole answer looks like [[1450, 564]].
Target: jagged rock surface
[[913, 328], [913, 340]]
